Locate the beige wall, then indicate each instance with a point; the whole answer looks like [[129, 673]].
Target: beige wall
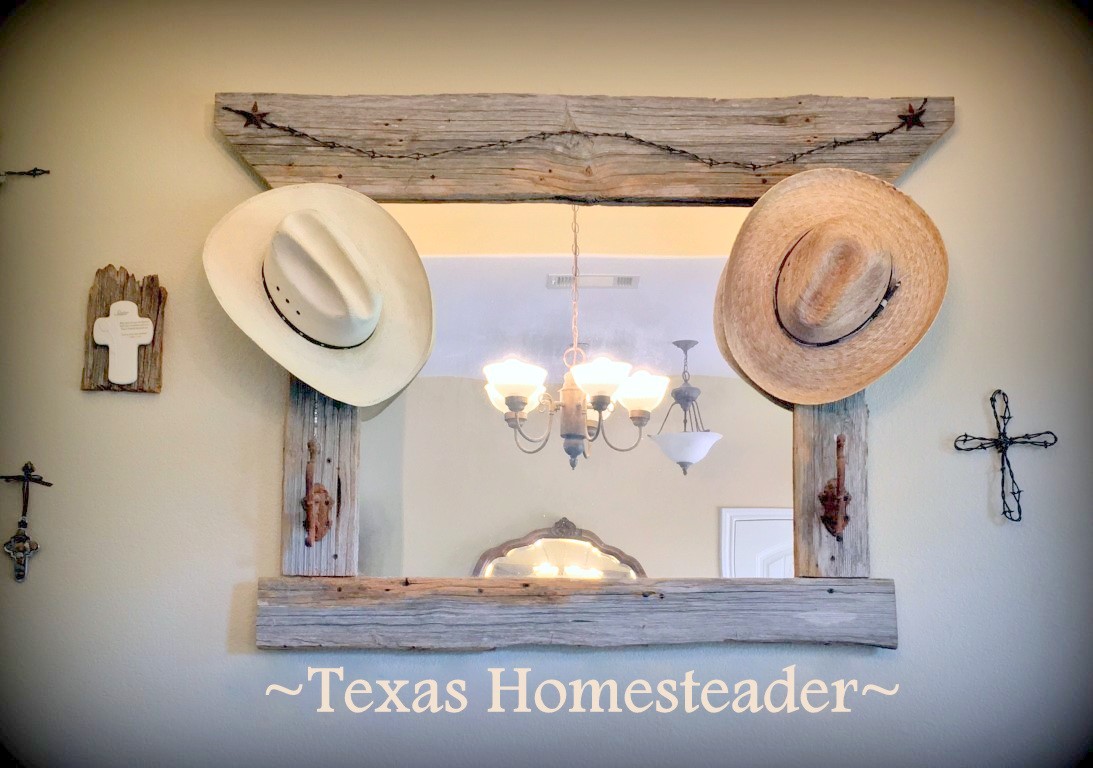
[[132, 642], [465, 487]]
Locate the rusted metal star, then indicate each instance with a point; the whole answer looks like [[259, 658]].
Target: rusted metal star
[[909, 119], [255, 118]]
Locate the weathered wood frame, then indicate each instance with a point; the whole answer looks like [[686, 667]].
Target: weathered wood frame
[[658, 161], [477, 614], [517, 147]]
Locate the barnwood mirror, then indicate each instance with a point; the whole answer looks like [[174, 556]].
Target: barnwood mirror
[[579, 149]]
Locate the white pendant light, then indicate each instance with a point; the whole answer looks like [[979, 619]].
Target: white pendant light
[[690, 446], [686, 448]]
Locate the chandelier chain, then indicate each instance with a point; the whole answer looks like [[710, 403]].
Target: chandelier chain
[[575, 354]]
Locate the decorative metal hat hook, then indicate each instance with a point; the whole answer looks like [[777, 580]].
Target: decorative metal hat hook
[[835, 497], [20, 547]]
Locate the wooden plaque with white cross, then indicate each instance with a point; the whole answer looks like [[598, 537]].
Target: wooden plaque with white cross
[[123, 343]]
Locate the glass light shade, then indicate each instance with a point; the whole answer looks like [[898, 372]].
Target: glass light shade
[[498, 402], [686, 448], [600, 377], [642, 391], [514, 378]]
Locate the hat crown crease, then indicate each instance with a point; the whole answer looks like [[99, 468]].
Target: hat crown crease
[[830, 284], [318, 281]]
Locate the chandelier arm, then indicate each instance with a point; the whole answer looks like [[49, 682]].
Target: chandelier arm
[[541, 440], [641, 433], [593, 436], [540, 444], [666, 415]]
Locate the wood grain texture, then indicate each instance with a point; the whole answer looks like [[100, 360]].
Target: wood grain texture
[[815, 431], [566, 167], [116, 284], [336, 429], [476, 614]]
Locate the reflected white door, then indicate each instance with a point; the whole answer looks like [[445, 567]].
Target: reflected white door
[[756, 543]]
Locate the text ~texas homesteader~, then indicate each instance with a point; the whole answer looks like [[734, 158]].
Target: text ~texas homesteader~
[[516, 691]]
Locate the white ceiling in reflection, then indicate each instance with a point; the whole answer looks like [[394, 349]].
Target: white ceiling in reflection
[[489, 307]]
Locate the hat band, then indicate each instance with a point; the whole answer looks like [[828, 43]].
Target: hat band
[[892, 288], [298, 332]]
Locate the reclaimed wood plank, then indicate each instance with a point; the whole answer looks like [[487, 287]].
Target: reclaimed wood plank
[[586, 149], [816, 428], [477, 614], [335, 427], [114, 284]]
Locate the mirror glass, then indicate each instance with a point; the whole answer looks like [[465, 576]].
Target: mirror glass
[[561, 551], [558, 558], [442, 479]]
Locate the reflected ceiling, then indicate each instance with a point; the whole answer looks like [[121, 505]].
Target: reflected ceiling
[[488, 307]]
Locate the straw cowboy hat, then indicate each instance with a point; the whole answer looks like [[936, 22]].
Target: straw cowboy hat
[[835, 276], [329, 285]]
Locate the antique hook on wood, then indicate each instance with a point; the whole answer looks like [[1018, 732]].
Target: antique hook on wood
[[316, 502], [20, 547], [834, 497]]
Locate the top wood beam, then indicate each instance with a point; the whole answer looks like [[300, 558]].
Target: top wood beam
[[584, 149]]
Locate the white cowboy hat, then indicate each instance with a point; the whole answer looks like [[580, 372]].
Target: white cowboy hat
[[835, 276], [329, 285]]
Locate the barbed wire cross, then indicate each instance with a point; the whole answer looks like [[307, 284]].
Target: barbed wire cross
[[1002, 443]]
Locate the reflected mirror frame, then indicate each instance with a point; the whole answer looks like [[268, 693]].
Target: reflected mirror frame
[[563, 529]]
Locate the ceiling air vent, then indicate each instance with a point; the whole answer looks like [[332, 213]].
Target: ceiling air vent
[[594, 281]]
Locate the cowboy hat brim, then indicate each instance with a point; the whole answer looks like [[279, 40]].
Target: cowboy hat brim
[[749, 334], [398, 348]]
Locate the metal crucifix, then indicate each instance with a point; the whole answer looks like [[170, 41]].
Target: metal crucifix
[[20, 547], [1002, 444]]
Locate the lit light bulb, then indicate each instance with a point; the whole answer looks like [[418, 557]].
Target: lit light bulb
[[577, 572], [642, 391], [545, 570]]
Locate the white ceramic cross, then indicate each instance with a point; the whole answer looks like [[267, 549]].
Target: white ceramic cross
[[123, 331]]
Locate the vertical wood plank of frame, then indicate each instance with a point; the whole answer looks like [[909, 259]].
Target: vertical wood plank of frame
[[816, 552], [335, 427]]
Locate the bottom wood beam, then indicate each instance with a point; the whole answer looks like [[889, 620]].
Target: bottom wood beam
[[477, 613]]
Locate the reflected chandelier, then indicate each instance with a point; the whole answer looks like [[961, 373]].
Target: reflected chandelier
[[588, 395]]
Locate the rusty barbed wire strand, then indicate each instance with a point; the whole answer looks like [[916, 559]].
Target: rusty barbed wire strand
[[259, 120]]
